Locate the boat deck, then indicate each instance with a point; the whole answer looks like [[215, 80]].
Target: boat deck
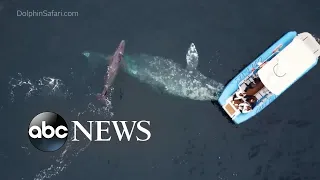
[[230, 110]]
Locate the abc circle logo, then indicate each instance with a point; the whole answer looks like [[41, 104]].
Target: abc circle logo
[[48, 131]]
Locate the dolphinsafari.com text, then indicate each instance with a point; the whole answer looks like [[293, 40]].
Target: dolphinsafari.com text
[[46, 13]]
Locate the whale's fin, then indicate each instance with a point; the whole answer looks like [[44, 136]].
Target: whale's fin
[[95, 55], [96, 60], [192, 57]]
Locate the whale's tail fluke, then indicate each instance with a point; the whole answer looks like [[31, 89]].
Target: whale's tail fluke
[[192, 57]]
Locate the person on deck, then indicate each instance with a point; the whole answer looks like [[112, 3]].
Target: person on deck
[[245, 107], [253, 102], [239, 95]]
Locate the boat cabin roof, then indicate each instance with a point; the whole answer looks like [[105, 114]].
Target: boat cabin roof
[[290, 64]]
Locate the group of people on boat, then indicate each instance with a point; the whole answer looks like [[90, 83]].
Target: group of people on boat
[[242, 100]]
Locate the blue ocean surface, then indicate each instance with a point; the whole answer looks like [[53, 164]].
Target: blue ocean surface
[[43, 69]]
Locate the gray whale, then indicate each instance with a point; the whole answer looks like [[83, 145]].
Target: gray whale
[[172, 78]]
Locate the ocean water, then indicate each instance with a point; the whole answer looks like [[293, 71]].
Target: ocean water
[[43, 69]]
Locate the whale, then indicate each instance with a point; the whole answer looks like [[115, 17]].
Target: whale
[[167, 76]]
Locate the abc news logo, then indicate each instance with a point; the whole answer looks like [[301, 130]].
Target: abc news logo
[[48, 131]]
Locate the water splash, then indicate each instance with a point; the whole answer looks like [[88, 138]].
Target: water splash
[[44, 86], [106, 110]]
